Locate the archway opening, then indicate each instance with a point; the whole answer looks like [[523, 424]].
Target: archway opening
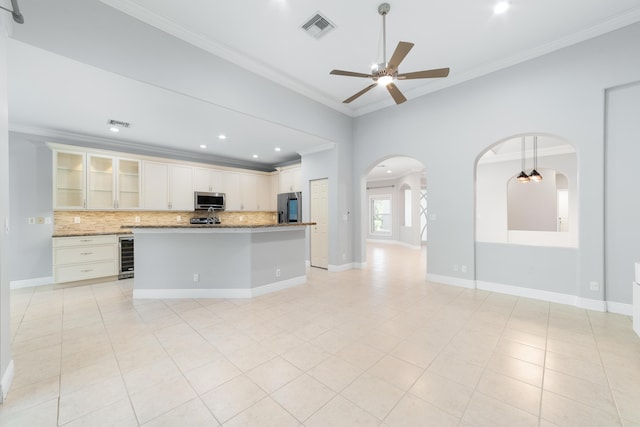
[[394, 212]]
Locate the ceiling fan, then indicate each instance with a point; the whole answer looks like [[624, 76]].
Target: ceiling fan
[[386, 72]]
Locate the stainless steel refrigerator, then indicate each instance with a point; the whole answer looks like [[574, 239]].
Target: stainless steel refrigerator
[[289, 207]]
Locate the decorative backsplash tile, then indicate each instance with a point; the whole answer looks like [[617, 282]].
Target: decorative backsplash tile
[[73, 222]]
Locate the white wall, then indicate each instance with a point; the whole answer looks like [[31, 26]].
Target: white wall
[[6, 370], [622, 208], [561, 93], [30, 193]]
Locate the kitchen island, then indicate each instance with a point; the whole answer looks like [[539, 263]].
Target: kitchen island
[[217, 261]]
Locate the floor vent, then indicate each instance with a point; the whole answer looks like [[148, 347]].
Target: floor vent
[[318, 25]]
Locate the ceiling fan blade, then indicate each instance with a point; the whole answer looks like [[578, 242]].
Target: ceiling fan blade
[[362, 92], [395, 93], [398, 55], [426, 74], [349, 73]]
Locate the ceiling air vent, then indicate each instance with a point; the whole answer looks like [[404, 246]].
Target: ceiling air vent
[[118, 123], [318, 25]]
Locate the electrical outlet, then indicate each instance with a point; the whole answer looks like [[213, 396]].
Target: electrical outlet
[[463, 268], [47, 220], [137, 219], [76, 220], [277, 272], [178, 218], [31, 220], [40, 220], [594, 286], [196, 277]]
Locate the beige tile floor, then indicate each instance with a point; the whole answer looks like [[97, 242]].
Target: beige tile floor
[[374, 347]]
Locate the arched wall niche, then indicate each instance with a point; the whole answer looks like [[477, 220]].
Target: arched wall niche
[[541, 213]]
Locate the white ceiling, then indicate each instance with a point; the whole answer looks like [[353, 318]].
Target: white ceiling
[[264, 36]]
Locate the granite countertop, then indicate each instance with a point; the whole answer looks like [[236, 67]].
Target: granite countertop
[[220, 225], [92, 233]]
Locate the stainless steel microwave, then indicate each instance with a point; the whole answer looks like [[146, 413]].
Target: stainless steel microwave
[[203, 200]]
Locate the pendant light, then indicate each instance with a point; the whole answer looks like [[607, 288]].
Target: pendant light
[[535, 175], [523, 177]]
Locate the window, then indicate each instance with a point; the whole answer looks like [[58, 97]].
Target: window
[[380, 214]]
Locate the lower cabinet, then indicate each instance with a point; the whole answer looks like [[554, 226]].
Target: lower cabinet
[[83, 258]]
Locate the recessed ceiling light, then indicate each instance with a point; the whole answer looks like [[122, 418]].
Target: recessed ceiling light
[[203, 146], [222, 136], [389, 171], [114, 129], [501, 7], [255, 156], [277, 148]]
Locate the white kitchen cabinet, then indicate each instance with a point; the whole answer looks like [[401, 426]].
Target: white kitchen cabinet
[[156, 185], [69, 180], [205, 179], [93, 181], [248, 192], [180, 188], [128, 183], [265, 196], [168, 186], [112, 182], [290, 180], [83, 258], [231, 187]]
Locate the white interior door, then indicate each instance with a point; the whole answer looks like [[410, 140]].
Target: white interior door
[[319, 209]]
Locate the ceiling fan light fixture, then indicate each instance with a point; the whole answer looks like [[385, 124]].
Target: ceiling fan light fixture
[[384, 80]]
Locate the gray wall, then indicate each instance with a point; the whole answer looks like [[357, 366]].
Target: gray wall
[[561, 93], [5, 314], [30, 193], [622, 195]]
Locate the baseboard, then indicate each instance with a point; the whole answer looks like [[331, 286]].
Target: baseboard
[[359, 265], [30, 283], [454, 281], [529, 293], [620, 308], [7, 379], [394, 242], [218, 293], [340, 268]]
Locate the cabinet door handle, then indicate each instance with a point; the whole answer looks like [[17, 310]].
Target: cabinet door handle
[[86, 253], [89, 270], [86, 240]]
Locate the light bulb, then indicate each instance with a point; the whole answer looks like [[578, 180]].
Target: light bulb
[[501, 7], [385, 80]]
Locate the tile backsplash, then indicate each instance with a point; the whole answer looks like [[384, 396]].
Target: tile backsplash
[[72, 222]]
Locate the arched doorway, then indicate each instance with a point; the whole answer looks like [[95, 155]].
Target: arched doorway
[[394, 213]]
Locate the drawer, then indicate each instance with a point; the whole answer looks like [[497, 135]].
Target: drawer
[[59, 242], [80, 254], [72, 273]]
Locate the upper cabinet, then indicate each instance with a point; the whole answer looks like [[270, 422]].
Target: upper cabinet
[[112, 182], [103, 180], [290, 179], [167, 186], [205, 179], [91, 181], [69, 180]]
